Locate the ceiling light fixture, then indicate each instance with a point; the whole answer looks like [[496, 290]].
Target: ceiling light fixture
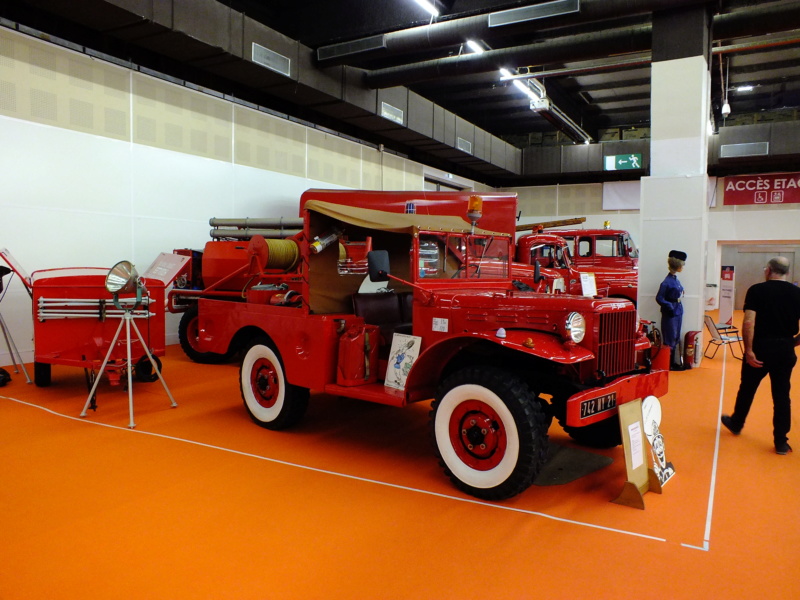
[[429, 7], [744, 88], [540, 103], [726, 108], [475, 47], [532, 88]]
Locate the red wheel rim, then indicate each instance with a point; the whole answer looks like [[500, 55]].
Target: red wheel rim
[[265, 383], [477, 435], [193, 333]]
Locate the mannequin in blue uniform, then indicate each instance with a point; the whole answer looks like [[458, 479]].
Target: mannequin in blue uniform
[[669, 299]]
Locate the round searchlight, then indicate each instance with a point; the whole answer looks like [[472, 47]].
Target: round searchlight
[[122, 278]]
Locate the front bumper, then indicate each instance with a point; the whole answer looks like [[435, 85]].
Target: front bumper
[[593, 405]]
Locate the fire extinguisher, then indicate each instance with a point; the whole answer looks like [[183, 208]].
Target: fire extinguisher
[[692, 349]]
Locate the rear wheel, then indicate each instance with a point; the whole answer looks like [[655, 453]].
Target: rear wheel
[[188, 335], [270, 400], [144, 370], [490, 432], [41, 374]]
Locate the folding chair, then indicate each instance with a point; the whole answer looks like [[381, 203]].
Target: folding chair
[[723, 337]]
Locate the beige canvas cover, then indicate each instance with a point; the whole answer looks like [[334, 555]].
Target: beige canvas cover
[[395, 222]]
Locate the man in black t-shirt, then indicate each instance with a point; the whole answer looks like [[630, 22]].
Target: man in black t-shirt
[[770, 333]]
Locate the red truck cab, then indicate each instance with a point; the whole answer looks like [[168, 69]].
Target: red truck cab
[[590, 248]]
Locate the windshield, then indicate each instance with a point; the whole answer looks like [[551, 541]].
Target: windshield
[[549, 256], [461, 256], [633, 251]]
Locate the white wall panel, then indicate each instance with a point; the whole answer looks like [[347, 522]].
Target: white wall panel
[[54, 168], [260, 193], [175, 185]]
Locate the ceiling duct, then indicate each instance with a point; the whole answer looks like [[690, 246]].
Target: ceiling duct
[[556, 8], [344, 49], [487, 27], [621, 40], [744, 150], [578, 47], [271, 60]]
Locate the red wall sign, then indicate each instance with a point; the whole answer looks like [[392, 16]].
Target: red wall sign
[[778, 188]]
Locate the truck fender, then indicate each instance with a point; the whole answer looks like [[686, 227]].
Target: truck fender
[[426, 371], [542, 345]]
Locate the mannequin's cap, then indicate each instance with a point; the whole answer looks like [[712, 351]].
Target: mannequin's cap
[[677, 254]]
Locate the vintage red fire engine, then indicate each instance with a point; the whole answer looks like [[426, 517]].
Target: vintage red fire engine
[[499, 362], [612, 248], [552, 252]]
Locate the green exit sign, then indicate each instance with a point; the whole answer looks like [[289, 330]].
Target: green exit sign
[[622, 162]]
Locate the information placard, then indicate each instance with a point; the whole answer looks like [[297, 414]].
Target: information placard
[[726, 295]]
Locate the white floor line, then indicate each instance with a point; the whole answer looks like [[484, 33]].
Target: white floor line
[[345, 475], [713, 484]]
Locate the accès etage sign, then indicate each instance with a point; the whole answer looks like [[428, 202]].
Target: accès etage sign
[[777, 188]]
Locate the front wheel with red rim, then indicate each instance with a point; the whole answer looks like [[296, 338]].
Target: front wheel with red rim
[[270, 400], [490, 432]]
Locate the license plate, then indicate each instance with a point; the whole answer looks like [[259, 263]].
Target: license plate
[[598, 405]]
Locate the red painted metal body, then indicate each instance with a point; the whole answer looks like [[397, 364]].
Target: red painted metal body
[[75, 318], [78, 340], [221, 258], [450, 315]]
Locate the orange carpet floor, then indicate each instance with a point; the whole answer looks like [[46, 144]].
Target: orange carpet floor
[[199, 502]]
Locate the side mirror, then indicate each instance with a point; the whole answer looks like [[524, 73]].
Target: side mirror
[[378, 265], [537, 273]]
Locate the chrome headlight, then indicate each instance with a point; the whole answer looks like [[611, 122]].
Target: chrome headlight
[[575, 327]]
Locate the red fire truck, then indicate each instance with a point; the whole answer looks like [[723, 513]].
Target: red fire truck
[[553, 254], [589, 248], [451, 325]]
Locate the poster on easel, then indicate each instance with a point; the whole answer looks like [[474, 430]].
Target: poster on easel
[[405, 350], [588, 284], [726, 291], [651, 417], [641, 478]]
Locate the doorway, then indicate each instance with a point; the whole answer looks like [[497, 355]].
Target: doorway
[[749, 262]]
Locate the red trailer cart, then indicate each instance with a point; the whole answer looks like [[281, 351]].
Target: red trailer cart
[[75, 320]]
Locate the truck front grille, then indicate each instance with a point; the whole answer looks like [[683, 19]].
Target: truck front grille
[[616, 353]]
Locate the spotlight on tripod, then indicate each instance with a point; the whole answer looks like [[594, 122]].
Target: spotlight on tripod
[[123, 278]]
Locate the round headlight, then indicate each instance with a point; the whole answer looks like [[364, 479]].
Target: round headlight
[[576, 327]]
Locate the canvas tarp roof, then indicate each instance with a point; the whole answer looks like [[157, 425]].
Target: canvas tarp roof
[[395, 222]]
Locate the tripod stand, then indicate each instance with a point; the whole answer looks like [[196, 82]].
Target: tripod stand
[[12, 347], [128, 322]]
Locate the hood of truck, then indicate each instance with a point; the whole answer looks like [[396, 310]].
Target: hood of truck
[[511, 299]]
